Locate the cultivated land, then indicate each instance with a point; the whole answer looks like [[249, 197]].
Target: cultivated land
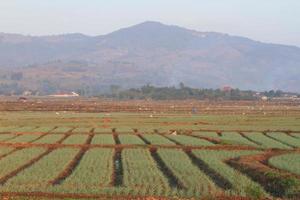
[[100, 149]]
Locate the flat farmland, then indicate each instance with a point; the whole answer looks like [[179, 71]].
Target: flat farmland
[[245, 152]]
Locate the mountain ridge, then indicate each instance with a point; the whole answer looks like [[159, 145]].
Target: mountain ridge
[[150, 52], [78, 34]]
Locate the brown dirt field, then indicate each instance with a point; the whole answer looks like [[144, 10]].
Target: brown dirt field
[[257, 168], [140, 106], [260, 161], [41, 195]]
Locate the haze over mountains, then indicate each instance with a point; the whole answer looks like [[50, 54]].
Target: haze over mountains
[[147, 53]]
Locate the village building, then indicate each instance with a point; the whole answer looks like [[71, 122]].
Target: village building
[[65, 94]]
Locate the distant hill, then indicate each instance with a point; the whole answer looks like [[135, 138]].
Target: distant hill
[[147, 53]]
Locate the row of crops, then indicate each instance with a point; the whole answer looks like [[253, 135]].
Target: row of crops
[[141, 172], [259, 140], [159, 128]]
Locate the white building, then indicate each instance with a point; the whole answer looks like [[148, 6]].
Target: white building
[[62, 94]]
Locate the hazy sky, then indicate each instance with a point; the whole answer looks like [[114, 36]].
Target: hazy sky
[[276, 21]]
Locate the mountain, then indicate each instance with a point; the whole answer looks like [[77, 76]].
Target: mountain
[[149, 52]]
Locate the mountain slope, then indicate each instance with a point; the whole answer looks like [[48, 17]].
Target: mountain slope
[[150, 52]]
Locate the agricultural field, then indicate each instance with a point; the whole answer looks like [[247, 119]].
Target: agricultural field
[[160, 155]]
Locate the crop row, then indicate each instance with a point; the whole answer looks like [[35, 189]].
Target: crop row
[[39, 175], [187, 140], [49, 139], [276, 182], [215, 159], [143, 173], [130, 139], [25, 138], [228, 138], [257, 139], [266, 142], [4, 137], [92, 173], [286, 139], [288, 162], [18, 158], [195, 182], [103, 139], [76, 139], [157, 139]]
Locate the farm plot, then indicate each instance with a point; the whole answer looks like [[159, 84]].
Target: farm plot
[[157, 139], [120, 129], [206, 134], [265, 141], [6, 136], [175, 167], [62, 129], [227, 138], [297, 135], [235, 138], [130, 139], [38, 176], [141, 175], [5, 150], [103, 139], [43, 129], [76, 139], [82, 130], [24, 129], [144, 129], [215, 160], [25, 138], [93, 173], [286, 139], [288, 162], [188, 140], [195, 182], [49, 139], [103, 130], [17, 159], [6, 129]]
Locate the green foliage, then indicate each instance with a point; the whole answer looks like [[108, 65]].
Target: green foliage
[[289, 162], [23, 138], [4, 137], [5, 150], [17, 159], [103, 139], [282, 186], [142, 174], [183, 92], [215, 160], [94, 171], [24, 129], [81, 130], [254, 192], [194, 180], [265, 141], [188, 140], [61, 129], [49, 139], [38, 176], [75, 139], [130, 139], [157, 139], [285, 139]]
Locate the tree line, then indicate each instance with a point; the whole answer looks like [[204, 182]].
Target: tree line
[[185, 92]]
